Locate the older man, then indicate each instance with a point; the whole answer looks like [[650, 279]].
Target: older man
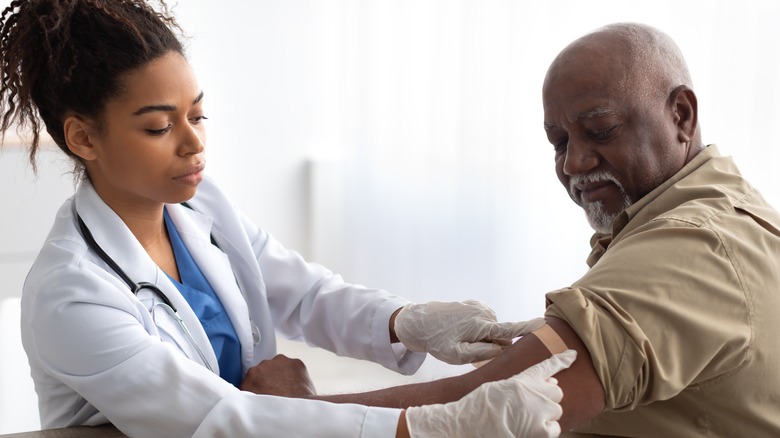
[[679, 308], [676, 320]]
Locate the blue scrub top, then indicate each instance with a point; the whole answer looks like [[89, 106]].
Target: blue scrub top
[[206, 305]]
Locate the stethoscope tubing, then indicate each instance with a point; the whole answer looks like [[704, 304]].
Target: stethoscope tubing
[[135, 287]]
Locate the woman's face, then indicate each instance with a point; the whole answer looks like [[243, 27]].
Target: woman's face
[[150, 148]]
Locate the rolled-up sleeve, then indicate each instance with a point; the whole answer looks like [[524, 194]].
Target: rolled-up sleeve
[[662, 309]]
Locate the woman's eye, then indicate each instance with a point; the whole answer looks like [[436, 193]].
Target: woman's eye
[[198, 119], [159, 131]]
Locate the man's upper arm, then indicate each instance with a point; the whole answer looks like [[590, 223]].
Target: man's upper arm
[[583, 393]]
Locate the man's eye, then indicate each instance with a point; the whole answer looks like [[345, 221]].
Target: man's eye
[[603, 134], [561, 146]]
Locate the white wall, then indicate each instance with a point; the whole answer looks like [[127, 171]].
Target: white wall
[[431, 173], [29, 207]]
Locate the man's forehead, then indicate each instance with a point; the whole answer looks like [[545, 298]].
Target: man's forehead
[[597, 112], [595, 62], [591, 113]]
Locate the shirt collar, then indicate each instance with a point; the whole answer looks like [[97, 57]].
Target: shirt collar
[[601, 241]]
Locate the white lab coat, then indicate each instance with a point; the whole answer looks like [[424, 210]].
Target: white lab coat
[[96, 353]]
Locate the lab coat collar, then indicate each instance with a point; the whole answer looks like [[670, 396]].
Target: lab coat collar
[[116, 239], [195, 230]]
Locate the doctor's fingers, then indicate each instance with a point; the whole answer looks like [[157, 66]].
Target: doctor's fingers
[[552, 365], [511, 330], [538, 390], [466, 352], [532, 402], [553, 429], [547, 389]]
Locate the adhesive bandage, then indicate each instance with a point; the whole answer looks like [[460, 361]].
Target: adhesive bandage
[[550, 339]]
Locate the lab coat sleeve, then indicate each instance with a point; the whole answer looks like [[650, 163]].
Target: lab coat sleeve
[[316, 419], [82, 328], [311, 303]]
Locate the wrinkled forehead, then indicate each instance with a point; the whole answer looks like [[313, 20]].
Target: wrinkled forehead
[[593, 61], [589, 79]]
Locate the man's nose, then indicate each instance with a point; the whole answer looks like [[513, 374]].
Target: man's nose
[[580, 159]]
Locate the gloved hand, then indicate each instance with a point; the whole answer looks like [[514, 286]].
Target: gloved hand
[[525, 405], [457, 333]]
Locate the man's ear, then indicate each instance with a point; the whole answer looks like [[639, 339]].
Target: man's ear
[[79, 134], [685, 111]]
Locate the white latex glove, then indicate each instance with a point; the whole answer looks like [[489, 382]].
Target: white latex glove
[[457, 333], [525, 405]]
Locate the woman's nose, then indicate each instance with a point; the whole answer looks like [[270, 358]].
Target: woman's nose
[[192, 141]]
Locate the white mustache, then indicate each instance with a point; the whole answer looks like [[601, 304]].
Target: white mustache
[[593, 177]]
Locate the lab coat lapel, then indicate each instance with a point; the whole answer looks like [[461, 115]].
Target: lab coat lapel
[[119, 243], [113, 236], [195, 231], [230, 233]]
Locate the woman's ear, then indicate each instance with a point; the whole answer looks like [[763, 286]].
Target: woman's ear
[[685, 110], [78, 136]]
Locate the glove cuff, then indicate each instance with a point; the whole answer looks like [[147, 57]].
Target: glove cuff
[[401, 327], [431, 421]]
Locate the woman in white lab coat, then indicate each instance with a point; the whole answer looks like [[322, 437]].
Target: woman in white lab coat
[[153, 297]]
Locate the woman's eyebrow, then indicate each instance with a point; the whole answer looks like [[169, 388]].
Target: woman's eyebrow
[[163, 107]]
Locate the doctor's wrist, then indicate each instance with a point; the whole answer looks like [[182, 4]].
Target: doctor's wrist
[[402, 431], [393, 337]]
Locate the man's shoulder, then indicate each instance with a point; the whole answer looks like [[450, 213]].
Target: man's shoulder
[[711, 192]]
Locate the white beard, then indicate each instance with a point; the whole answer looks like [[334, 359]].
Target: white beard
[[600, 220]]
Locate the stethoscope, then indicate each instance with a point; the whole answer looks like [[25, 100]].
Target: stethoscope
[[166, 304]]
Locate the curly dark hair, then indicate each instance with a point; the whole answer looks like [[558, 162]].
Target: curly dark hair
[[64, 57]]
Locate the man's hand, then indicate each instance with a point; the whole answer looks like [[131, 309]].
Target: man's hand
[[457, 333], [280, 376], [525, 405]]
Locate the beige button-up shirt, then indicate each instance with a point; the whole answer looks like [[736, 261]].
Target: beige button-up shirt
[[680, 309]]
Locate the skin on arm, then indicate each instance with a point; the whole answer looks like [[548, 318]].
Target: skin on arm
[[402, 430], [393, 337], [583, 398]]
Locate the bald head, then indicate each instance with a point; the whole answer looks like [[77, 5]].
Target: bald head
[[641, 60], [621, 115]]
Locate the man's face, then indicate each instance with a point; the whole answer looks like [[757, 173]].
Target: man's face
[[614, 141]]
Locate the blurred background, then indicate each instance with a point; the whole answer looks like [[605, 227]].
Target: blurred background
[[400, 143]]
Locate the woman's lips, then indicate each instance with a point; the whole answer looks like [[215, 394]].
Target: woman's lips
[[192, 176]]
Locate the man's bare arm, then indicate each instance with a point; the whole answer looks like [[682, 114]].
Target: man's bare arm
[[583, 393]]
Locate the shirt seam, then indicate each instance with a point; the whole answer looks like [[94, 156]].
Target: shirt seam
[[747, 297]]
